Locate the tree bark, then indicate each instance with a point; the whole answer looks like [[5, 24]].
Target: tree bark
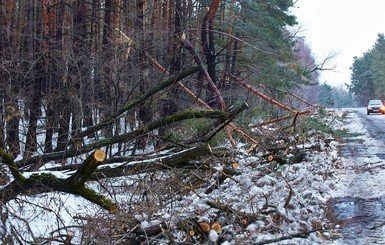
[[75, 184], [12, 117], [48, 147], [42, 183], [39, 53], [170, 103], [38, 161], [208, 44], [64, 81], [34, 113], [173, 160], [2, 124], [87, 168], [107, 67]]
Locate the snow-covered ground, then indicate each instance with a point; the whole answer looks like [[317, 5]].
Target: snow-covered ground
[[263, 202]]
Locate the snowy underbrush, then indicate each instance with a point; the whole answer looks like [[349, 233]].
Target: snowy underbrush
[[260, 194]]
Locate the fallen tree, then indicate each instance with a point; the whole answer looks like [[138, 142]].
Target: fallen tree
[[48, 182], [37, 161], [43, 181]]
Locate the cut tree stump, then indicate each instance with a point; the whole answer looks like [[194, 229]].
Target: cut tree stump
[[87, 168]]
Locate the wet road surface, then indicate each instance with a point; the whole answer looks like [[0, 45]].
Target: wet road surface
[[359, 207]]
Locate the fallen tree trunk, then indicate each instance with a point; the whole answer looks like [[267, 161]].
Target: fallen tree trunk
[[263, 96], [174, 160], [47, 182], [40, 160], [89, 166], [208, 134], [75, 184]]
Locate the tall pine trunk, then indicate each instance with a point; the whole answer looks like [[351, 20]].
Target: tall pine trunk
[[55, 73], [208, 44], [145, 111], [170, 104], [38, 52], [10, 114]]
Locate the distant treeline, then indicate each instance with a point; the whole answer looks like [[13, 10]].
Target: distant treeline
[[368, 73]]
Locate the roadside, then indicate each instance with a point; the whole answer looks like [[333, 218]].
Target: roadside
[[357, 203], [253, 198]]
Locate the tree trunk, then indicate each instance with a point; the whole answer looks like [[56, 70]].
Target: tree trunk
[[12, 117], [39, 52], [89, 166], [89, 93], [2, 122], [56, 96], [208, 44], [170, 104], [229, 51], [9, 131], [176, 160], [41, 159], [49, 126], [145, 108], [64, 123], [34, 113], [2, 73], [79, 65], [107, 65], [46, 182]]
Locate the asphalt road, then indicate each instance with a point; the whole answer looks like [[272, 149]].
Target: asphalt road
[[360, 207], [374, 123]]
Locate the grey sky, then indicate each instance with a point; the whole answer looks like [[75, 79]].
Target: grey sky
[[346, 28]]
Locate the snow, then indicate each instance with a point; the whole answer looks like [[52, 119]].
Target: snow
[[144, 225], [213, 236], [276, 200], [58, 174]]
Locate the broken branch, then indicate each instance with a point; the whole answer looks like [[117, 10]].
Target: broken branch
[[9, 161], [268, 99], [278, 119], [47, 182], [87, 168]]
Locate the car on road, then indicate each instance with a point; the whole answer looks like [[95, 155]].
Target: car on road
[[375, 106]]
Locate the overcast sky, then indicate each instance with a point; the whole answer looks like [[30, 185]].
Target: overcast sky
[[347, 28]]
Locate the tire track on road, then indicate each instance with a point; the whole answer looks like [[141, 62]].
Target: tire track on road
[[358, 206]]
